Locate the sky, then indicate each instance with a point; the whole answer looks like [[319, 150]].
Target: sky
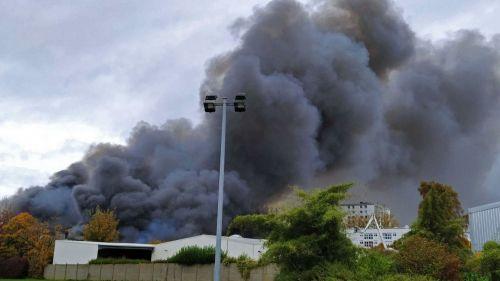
[[74, 73]]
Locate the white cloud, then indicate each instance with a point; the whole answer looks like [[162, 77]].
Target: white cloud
[[31, 152]]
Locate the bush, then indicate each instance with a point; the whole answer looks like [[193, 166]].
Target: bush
[[405, 277], [116, 261], [472, 276], [14, 267], [489, 263], [307, 237], [418, 255], [337, 272], [244, 263], [195, 255], [373, 265]]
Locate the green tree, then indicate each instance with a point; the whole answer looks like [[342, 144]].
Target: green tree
[[440, 216], [307, 237], [252, 226], [102, 227]]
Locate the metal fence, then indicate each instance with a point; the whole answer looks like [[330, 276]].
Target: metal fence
[[153, 272]]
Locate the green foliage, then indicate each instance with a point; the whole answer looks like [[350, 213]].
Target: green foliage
[[305, 238], [253, 226], [406, 277], [370, 265], [195, 255], [117, 261], [440, 216], [419, 255], [485, 264], [373, 264], [244, 263], [472, 276], [490, 246], [490, 261]]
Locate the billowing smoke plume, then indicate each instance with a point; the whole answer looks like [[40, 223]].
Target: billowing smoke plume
[[336, 89]]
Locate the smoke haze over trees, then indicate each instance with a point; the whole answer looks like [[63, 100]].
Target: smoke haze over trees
[[336, 89]]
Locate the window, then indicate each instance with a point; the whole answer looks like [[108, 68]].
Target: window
[[368, 236], [369, 244], [387, 236]]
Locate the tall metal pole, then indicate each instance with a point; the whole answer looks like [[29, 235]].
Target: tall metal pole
[[221, 194]]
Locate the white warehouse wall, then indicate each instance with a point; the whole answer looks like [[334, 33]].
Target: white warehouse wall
[[234, 246], [74, 252], [484, 224]]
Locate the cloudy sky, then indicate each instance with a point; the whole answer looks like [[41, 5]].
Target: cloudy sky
[[73, 73]]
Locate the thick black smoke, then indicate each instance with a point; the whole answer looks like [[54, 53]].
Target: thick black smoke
[[337, 90]]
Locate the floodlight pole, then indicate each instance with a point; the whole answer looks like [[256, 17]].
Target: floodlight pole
[[220, 200]]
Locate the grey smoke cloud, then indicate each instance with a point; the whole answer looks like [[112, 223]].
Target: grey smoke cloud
[[339, 88]]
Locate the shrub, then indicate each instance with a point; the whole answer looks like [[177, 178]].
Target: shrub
[[373, 265], [195, 255], [306, 237], [406, 277], [418, 255], [244, 263], [489, 263], [117, 261], [337, 272], [472, 276], [491, 245], [15, 267]]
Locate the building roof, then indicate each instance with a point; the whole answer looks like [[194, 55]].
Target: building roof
[[109, 244], [234, 238], [484, 207]]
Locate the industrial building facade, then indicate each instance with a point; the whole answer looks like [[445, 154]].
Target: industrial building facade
[[82, 252], [484, 224]]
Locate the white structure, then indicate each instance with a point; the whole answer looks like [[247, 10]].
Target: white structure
[[370, 237], [234, 246], [81, 252], [484, 224]]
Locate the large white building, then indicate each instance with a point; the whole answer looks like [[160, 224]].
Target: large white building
[[81, 252], [484, 224], [370, 237]]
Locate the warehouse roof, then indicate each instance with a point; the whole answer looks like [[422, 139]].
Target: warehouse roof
[[111, 244], [484, 207]]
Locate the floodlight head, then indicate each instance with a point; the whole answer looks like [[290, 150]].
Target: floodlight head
[[240, 97], [209, 106], [239, 103], [209, 103]]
